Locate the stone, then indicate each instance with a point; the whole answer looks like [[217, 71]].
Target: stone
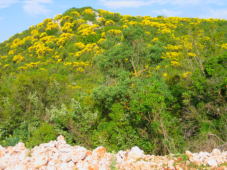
[[212, 162], [40, 161], [79, 155], [136, 153], [2, 166], [19, 147], [99, 151], [57, 155], [120, 156], [216, 151]]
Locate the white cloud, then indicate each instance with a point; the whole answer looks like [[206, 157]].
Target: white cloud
[[179, 2], [1, 18], [6, 3], [216, 2], [34, 7], [217, 13], [167, 13], [125, 3], [138, 3]]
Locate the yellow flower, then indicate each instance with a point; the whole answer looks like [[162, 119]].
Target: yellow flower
[[57, 17], [43, 69], [155, 40], [165, 74], [115, 32], [76, 13], [18, 58], [110, 23], [175, 64], [124, 26], [185, 75], [148, 33], [87, 11]]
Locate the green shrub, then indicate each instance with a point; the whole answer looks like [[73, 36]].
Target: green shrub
[[43, 134]]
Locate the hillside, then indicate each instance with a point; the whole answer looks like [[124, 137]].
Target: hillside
[[103, 79]]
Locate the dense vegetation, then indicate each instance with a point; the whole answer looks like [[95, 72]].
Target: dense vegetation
[[153, 82]]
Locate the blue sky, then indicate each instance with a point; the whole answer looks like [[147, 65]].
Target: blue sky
[[18, 15]]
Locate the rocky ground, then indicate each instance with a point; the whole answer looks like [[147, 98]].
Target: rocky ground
[[57, 155]]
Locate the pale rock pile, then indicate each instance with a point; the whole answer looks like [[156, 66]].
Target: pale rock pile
[[57, 155]]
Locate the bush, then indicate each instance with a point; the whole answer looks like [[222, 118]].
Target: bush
[[43, 134]]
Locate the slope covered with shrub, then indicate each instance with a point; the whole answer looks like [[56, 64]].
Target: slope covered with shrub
[[101, 78]]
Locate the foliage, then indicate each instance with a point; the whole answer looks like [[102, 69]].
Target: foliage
[[43, 134], [155, 82]]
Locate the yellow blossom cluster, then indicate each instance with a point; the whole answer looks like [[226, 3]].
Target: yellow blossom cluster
[[103, 35], [80, 45], [12, 52], [35, 33], [110, 23], [155, 40], [85, 29], [185, 75], [224, 46], [67, 35], [191, 54], [48, 39], [67, 63], [124, 26], [147, 32], [88, 48], [2, 57], [6, 65], [57, 17], [115, 32], [80, 66], [100, 41], [52, 26], [32, 65], [29, 38], [17, 42], [31, 27], [66, 19], [87, 11], [126, 18], [45, 21], [173, 55], [102, 20], [74, 87], [103, 12], [67, 28], [22, 68], [133, 23], [164, 31], [61, 41], [43, 34], [79, 22], [18, 58], [174, 47], [76, 13], [175, 64], [39, 25], [40, 49], [43, 69]]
